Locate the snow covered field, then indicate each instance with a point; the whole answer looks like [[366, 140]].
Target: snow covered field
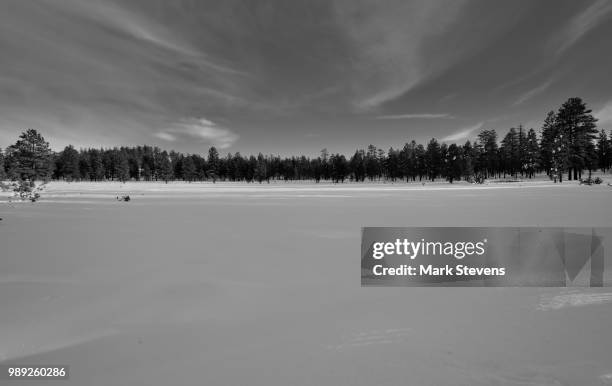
[[248, 284]]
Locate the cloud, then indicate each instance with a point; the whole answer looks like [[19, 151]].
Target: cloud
[[462, 134], [131, 23], [604, 114], [387, 43], [141, 28], [581, 24], [533, 92], [200, 130], [107, 73], [165, 136], [415, 116]]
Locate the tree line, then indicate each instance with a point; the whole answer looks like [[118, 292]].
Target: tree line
[[569, 144]]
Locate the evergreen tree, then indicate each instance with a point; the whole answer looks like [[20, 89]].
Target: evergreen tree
[[339, 168], [452, 163], [84, 168], [578, 129], [371, 162], [489, 154], [189, 169], [532, 154], [550, 131], [261, 170], [559, 157], [96, 165], [421, 158], [148, 162], [2, 170], [603, 151], [213, 163], [165, 171], [381, 163], [325, 164], [357, 165], [122, 166], [509, 152], [67, 164], [133, 166], [108, 162], [522, 150], [30, 157], [408, 161], [433, 159], [469, 155], [590, 157], [393, 165], [443, 158], [251, 165]]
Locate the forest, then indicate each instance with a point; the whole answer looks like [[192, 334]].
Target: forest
[[568, 144]]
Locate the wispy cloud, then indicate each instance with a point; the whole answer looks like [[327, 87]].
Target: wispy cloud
[[388, 42], [145, 30], [108, 72], [130, 23], [199, 130], [165, 136], [415, 116], [462, 134], [604, 114], [582, 23], [533, 92]]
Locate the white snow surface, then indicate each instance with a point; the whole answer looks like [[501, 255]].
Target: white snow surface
[[249, 284]]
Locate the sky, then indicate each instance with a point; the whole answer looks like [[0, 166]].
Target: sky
[[294, 77]]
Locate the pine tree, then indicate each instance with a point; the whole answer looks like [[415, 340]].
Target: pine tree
[[96, 165], [133, 164], [522, 150], [165, 171], [148, 162], [467, 167], [261, 170], [433, 159], [421, 158], [2, 170], [393, 165], [30, 156], [532, 154], [325, 164], [489, 152], [213, 164], [452, 163], [603, 151], [408, 161], [67, 164], [509, 152], [339, 168], [549, 134], [357, 165], [189, 169], [578, 128], [122, 166], [590, 157], [371, 162]]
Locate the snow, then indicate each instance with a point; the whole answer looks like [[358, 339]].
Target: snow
[[232, 284]]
